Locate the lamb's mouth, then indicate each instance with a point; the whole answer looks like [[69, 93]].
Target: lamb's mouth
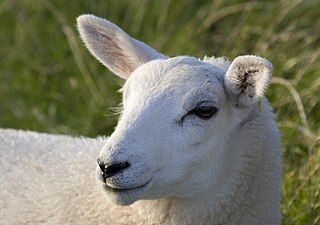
[[115, 190]]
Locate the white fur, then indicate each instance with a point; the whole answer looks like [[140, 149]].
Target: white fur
[[183, 169]]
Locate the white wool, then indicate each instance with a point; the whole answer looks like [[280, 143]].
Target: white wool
[[191, 146]]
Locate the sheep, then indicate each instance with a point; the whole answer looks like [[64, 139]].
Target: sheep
[[196, 143]]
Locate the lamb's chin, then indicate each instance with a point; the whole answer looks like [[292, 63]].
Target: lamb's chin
[[125, 196]]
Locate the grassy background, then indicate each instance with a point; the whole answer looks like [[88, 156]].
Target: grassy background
[[50, 83]]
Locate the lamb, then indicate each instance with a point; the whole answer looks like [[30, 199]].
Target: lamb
[[196, 143]]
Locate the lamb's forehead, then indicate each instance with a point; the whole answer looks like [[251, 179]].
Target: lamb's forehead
[[180, 74]]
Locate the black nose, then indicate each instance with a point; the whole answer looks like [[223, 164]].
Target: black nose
[[111, 170]]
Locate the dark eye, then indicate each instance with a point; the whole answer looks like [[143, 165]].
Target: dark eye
[[205, 111]]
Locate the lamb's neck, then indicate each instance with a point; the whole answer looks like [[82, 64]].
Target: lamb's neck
[[224, 208]]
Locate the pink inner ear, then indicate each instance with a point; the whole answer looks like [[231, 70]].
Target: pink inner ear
[[105, 46], [117, 60], [113, 47], [121, 65]]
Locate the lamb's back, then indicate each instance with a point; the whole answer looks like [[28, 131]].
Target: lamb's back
[[44, 176]]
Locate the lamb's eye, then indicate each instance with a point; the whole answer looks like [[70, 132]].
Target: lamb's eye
[[204, 112]]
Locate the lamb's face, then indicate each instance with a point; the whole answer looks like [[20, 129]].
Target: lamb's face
[[171, 132], [177, 115]]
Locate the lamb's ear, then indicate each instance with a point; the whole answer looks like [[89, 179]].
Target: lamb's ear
[[247, 79], [113, 47]]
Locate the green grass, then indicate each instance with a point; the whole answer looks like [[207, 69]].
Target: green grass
[[50, 83]]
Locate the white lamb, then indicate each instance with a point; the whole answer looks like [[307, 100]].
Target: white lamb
[[192, 146]]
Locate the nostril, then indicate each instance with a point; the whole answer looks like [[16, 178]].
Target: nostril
[[115, 168], [111, 170], [101, 165]]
